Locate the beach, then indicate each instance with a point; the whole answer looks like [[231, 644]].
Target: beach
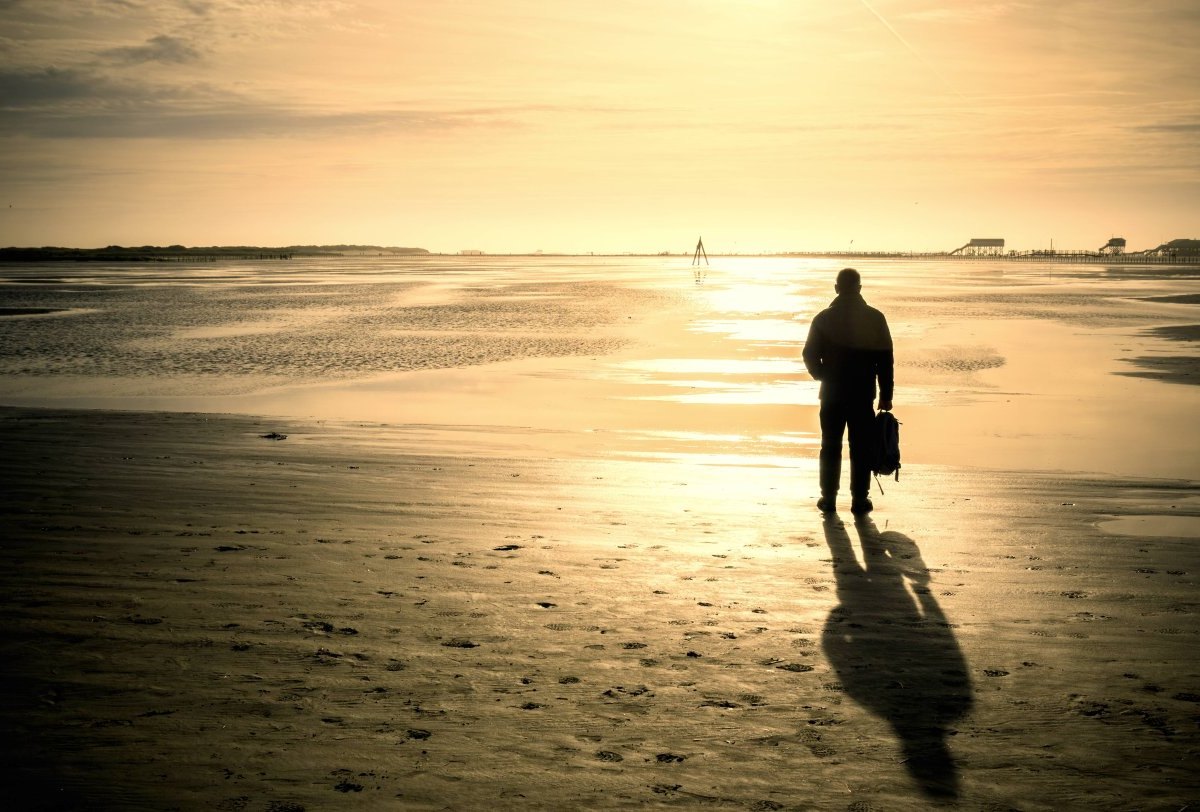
[[569, 557]]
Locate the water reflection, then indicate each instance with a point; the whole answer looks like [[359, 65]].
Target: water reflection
[[893, 649]]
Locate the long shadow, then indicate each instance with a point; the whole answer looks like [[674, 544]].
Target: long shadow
[[894, 651]]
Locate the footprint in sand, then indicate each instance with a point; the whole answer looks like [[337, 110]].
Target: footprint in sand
[[796, 668], [284, 806]]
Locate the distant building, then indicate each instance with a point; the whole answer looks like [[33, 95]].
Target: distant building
[[1116, 245], [1176, 248], [470, 253], [988, 246]]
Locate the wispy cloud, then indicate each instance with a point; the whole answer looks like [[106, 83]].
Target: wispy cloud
[[234, 123], [162, 48], [965, 13], [81, 103], [27, 91], [1176, 113]]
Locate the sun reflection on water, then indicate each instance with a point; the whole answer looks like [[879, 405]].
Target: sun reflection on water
[[733, 394], [720, 366], [749, 322], [763, 331]]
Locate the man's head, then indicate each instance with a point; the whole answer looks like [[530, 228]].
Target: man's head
[[848, 281]]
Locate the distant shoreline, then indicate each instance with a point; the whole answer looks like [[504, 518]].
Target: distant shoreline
[[176, 253], [1066, 257]]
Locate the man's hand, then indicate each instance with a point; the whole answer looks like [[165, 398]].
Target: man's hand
[[885, 405]]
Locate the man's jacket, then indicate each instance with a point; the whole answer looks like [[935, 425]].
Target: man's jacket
[[848, 347]]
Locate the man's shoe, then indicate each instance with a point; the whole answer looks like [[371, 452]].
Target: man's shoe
[[826, 504], [861, 506]]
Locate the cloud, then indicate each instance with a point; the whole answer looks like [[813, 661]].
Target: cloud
[[162, 48], [230, 123], [96, 101], [85, 103], [966, 13], [22, 90], [1186, 126]]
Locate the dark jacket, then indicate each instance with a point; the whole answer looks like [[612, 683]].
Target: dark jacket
[[848, 347]]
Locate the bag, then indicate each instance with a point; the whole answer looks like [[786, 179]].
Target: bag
[[885, 450]]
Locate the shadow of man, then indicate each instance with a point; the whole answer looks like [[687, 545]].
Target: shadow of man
[[894, 651]]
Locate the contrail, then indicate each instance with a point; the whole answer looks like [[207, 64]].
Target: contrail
[[907, 44], [895, 33]]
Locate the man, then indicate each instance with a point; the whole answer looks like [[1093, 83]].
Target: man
[[849, 346]]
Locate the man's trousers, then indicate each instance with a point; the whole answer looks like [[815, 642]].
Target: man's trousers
[[836, 417]]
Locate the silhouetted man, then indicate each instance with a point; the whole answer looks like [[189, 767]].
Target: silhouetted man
[[849, 346]]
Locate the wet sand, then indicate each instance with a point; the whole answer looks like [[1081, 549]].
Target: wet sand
[[358, 616], [549, 541]]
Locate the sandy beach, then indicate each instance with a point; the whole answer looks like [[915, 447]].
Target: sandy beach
[[200, 618], [598, 580]]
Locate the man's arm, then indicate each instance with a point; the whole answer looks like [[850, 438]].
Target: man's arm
[[813, 352], [886, 368]]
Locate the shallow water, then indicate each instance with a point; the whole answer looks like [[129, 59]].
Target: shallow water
[[636, 346], [238, 324]]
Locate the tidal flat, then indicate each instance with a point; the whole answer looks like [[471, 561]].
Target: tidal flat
[[431, 533]]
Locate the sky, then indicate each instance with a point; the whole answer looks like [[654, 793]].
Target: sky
[[600, 125]]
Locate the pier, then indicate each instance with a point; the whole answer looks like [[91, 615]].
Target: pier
[[1063, 257], [204, 257]]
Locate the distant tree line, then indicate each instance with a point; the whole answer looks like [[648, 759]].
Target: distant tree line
[[181, 253]]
